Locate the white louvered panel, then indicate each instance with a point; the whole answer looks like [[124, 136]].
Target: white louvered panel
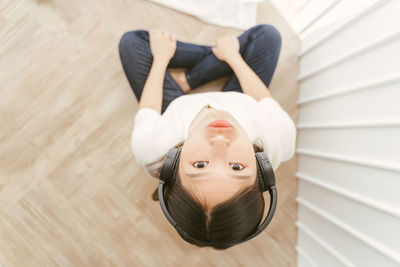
[[322, 255], [348, 137], [367, 144], [357, 181], [310, 41], [339, 236], [362, 86], [356, 216], [375, 64], [343, 15], [380, 23], [312, 11], [303, 259], [301, 4], [371, 104], [341, 12]]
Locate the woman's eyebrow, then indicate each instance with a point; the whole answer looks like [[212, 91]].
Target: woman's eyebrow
[[238, 175]]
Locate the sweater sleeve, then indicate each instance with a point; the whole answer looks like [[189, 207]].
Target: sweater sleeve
[[152, 136], [145, 127], [282, 126]]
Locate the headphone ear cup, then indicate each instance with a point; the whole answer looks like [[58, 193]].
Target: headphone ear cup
[[264, 171], [260, 179], [170, 166]]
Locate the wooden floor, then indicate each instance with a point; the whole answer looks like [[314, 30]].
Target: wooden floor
[[71, 193]]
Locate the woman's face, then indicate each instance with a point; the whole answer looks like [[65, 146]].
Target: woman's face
[[212, 159]]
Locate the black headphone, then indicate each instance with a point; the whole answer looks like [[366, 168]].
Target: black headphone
[[265, 176]]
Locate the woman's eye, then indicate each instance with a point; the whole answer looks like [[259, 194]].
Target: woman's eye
[[200, 165], [236, 166]]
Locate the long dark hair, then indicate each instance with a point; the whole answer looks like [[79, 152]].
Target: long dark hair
[[227, 222]]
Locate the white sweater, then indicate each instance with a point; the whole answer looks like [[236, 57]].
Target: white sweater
[[264, 120]]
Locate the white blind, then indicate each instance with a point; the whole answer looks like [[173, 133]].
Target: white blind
[[349, 135]]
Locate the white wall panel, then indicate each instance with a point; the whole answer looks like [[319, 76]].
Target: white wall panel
[[337, 235], [375, 64], [349, 138], [323, 255], [341, 16], [303, 259], [313, 11], [382, 22], [355, 215], [359, 181], [380, 103], [375, 144]]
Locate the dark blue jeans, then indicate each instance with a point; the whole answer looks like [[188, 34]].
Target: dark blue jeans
[[259, 46]]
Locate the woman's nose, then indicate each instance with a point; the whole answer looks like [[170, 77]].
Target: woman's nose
[[220, 140]]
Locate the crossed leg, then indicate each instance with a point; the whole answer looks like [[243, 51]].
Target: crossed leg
[[136, 59], [259, 46]]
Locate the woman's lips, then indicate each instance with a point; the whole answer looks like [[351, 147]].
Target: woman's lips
[[220, 124]]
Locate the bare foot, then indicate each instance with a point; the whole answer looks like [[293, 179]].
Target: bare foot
[[180, 78]]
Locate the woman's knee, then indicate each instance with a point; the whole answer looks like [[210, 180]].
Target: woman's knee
[[269, 31], [130, 39]]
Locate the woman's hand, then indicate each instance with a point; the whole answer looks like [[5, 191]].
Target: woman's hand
[[162, 45], [227, 47]]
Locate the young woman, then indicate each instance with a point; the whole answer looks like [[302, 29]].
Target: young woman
[[215, 197]]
